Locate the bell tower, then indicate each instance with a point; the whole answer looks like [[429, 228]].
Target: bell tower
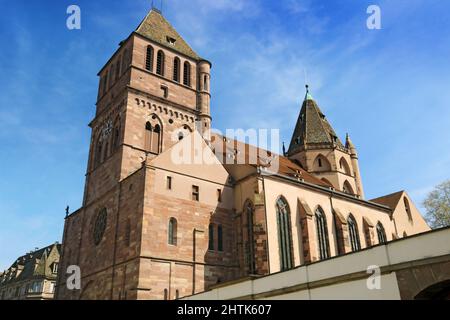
[[319, 150], [153, 91]]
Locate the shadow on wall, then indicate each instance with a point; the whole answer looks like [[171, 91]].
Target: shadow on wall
[[221, 254]]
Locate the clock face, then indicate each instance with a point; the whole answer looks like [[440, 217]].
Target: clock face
[[107, 129], [100, 226]]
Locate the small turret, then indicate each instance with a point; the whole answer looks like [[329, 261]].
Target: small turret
[[354, 157], [319, 150], [204, 99]]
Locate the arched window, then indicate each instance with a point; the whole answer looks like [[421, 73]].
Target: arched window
[[219, 238], [149, 59], [166, 294], [187, 74], [211, 237], [344, 166], [160, 63], [405, 234], [284, 234], [347, 188], [156, 139], [172, 239], [407, 209], [148, 136], [152, 138], [321, 164], [205, 82], [249, 244], [353, 233], [176, 69], [322, 234], [381, 233]]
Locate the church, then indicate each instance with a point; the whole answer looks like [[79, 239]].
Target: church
[[154, 228]]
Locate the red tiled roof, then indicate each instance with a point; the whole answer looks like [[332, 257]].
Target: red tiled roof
[[234, 152]]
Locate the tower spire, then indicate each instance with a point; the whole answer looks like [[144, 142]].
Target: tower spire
[[308, 96]]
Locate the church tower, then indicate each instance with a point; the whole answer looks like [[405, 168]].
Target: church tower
[[319, 150], [153, 91], [141, 230]]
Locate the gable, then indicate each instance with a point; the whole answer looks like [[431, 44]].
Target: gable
[[192, 156]]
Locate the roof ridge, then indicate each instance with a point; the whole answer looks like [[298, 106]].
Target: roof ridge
[[156, 27]]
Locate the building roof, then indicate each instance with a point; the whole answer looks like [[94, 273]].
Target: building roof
[[30, 265], [390, 200], [312, 128], [234, 152], [155, 27]]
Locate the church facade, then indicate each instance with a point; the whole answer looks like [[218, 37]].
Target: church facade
[[154, 228]]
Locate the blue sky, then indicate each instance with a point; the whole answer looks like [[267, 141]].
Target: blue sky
[[388, 88]]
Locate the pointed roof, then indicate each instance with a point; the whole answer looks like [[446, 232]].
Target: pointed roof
[[348, 142], [312, 128], [155, 27]]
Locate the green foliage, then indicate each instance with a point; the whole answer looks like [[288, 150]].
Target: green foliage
[[437, 205]]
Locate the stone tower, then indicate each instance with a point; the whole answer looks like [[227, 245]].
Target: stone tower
[[319, 150], [153, 91]]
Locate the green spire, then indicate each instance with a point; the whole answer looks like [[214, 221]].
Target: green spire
[[308, 95]]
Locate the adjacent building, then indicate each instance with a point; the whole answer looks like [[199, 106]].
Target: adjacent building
[[152, 227], [32, 276]]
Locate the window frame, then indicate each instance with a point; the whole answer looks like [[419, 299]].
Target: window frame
[[149, 57], [195, 193], [353, 233], [160, 63], [172, 232], [211, 244], [187, 73], [284, 228], [322, 234]]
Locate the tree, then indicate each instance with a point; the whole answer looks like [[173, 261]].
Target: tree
[[437, 205]]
